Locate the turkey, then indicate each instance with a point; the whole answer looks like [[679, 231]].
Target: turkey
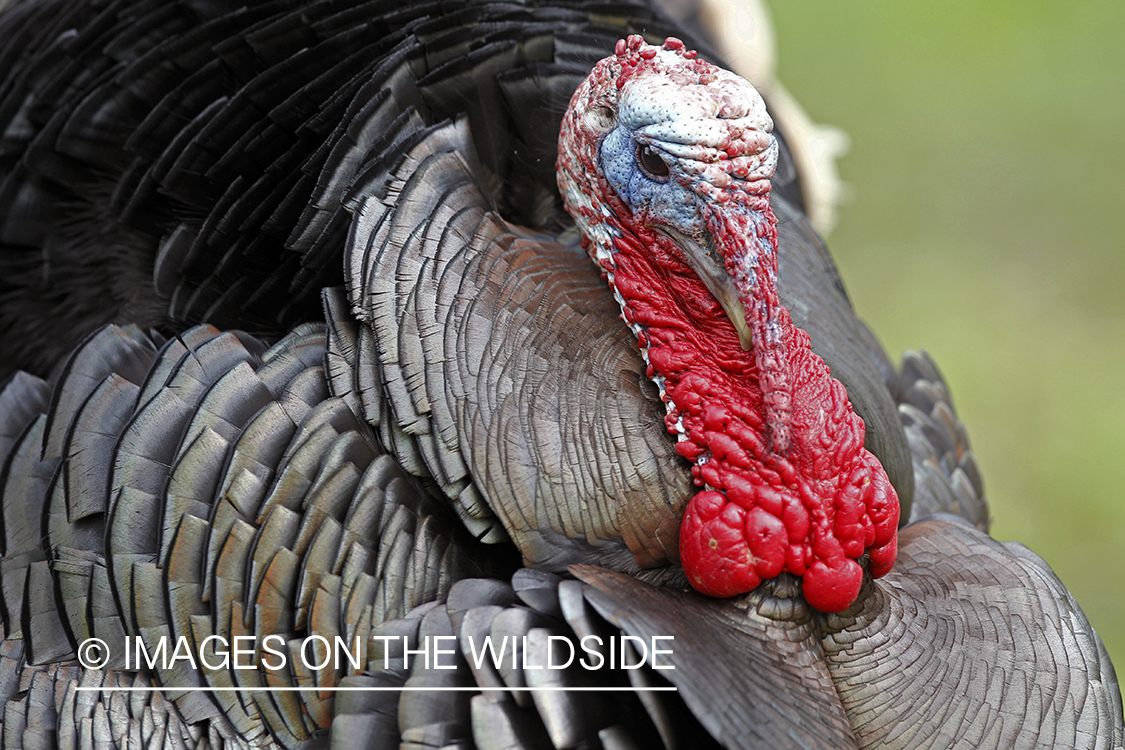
[[311, 351]]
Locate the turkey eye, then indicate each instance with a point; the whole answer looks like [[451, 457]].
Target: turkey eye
[[652, 164]]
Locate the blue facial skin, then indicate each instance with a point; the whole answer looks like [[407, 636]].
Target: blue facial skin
[[655, 202], [666, 205]]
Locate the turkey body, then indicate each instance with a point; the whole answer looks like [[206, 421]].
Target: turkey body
[[302, 343]]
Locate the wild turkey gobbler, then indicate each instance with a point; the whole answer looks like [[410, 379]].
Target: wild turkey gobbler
[[450, 393]]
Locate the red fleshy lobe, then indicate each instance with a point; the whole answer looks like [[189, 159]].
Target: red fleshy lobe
[[633, 54], [810, 504]]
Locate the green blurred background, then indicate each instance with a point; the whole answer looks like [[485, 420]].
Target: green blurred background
[[987, 173]]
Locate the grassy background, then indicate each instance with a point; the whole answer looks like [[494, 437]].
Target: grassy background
[[988, 175]]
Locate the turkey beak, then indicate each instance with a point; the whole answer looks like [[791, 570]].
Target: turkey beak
[[707, 263], [727, 295]]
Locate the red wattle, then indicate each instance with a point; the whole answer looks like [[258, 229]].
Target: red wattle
[[832, 587], [812, 505]]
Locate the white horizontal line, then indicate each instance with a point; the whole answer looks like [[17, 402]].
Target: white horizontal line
[[287, 689]]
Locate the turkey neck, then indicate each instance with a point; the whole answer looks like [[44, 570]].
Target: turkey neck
[[774, 442], [692, 349]]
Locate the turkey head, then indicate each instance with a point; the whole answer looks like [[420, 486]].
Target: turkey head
[[665, 163]]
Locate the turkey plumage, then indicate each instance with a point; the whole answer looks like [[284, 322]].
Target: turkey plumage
[[437, 425]]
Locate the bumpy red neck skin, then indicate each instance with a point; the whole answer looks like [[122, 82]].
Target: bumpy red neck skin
[[788, 485]]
